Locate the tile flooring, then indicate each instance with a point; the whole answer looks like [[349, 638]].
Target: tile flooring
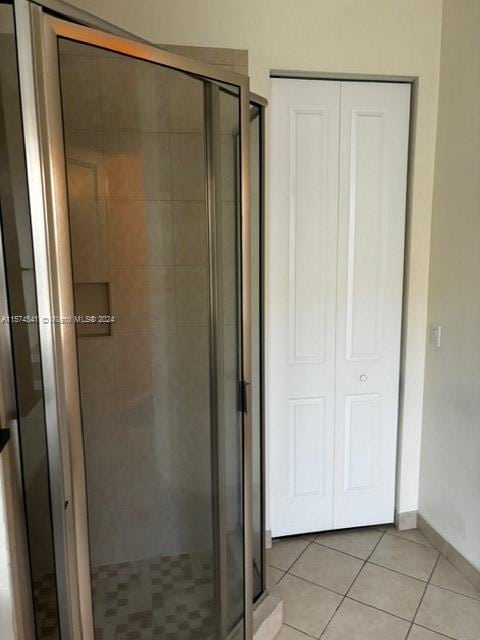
[[375, 583], [166, 598]]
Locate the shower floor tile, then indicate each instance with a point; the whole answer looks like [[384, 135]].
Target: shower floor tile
[[168, 598]]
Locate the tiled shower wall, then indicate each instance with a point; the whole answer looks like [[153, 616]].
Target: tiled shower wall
[[135, 158]]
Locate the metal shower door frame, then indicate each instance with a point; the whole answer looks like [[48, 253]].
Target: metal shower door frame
[[37, 42]]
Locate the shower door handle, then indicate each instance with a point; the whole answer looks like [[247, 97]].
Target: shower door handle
[[4, 437], [243, 396]]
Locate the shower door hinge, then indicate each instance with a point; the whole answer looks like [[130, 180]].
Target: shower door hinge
[[243, 396]]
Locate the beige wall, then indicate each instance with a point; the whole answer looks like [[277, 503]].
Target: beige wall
[[450, 469], [392, 37]]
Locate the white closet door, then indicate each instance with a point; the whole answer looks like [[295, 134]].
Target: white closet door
[[373, 172], [304, 134]]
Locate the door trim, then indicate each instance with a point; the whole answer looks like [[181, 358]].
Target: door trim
[[37, 34]]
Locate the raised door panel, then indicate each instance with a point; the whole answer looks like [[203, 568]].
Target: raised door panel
[[373, 170], [304, 121]]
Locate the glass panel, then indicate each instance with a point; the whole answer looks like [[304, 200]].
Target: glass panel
[[20, 273], [257, 373], [230, 423], [135, 146]]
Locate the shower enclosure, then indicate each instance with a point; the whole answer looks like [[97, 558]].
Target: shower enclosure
[[133, 267]]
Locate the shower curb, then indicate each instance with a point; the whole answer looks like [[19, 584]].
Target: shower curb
[[267, 618]]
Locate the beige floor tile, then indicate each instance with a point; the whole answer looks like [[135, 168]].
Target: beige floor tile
[[284, 552], [306, 606], [447, 576], [289, 633], [355, 621], [409, 534], [416, 560], [387, 590], [357, 542], [327, 568], [449, 613], [273, 576], [419, 633]]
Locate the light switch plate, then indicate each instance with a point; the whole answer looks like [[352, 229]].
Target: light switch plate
[[436, 335]]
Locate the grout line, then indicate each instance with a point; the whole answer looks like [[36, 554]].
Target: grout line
[[299, 630], [345, 553], [368, 561], [433, 631], [421, 544], [372, 606], [457, 593], [423, 596], [291, 565], [401, 573], [315, 584], [344, 597]]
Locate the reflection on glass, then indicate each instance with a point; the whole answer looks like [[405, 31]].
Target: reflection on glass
[[230, 420], [20, 273], [135, 146], [255, 254]]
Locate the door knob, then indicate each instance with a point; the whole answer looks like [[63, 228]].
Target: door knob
[[363, 377]]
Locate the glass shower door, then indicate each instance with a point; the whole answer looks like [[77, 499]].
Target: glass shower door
[[145, 238]]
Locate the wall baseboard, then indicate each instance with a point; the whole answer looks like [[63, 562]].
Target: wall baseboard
[[268, 539], [406, 520], [466, 568]]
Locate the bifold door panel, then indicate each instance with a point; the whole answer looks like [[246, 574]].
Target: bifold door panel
[[338, 184], [304, 204]]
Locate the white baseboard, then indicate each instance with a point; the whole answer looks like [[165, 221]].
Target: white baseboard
[[268, 539], [466, 568], [406, 520]]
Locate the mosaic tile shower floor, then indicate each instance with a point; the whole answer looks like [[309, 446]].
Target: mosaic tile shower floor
[[168, 598]]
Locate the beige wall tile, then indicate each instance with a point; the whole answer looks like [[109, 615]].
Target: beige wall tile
[[143, 297], [186, 104], [95, 359], [130, 297], [127, 235], [229, 165], [159, 230], [85, 173], [190, 233], [162, 298], [192, 295], [89, 241], [134, 95], [133, 364], [80, 92], [140, 232], [155, 149], [137, 165], [188, 166]]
